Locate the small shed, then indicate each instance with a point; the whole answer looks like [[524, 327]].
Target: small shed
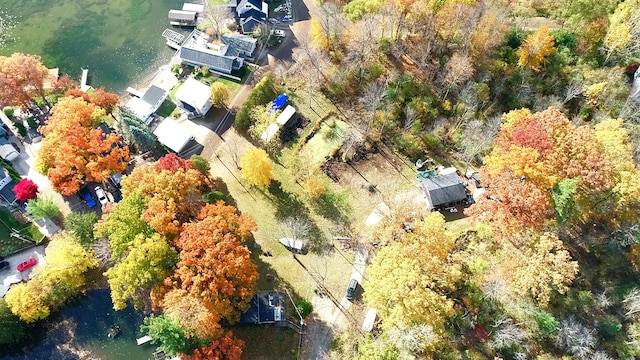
[[182, 18], [173, 135], [194, 96], [286, 115], [270, 132], [443, 190], [196, 8]]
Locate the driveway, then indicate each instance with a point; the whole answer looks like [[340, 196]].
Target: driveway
[[12, 276]]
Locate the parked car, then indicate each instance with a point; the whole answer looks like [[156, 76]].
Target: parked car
[[273, 21], [4, 265], [86, 195], [351, 290], [279, 33], [102, 197], [27, 264], [285, 18]]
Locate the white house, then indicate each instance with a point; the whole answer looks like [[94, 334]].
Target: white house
[[146, 105], [173, 135], [193, 96]]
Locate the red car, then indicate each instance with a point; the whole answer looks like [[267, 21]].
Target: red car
[[27, 264]]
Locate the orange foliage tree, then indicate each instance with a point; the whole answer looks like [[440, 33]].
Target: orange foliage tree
[[214, 265], [22, 77], [227, 347], [172, 191], [532, 154], [73, 152]]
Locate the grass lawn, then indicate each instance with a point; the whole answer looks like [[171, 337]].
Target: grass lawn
[[327, 140], [166, 108], [8, 244], [267, 342], [219, 2], [269, 207]]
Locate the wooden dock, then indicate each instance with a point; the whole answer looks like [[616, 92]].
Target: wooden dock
[[83, 82], [134, 92]]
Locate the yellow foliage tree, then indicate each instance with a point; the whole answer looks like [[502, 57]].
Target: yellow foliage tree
[[619, 32], [51, 286], [318, 35], [219, 94], [256, 167], [410, 277], [537, 267], [535, 49]]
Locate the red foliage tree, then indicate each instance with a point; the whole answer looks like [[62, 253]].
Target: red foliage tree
[[173, 163], [26, 190]]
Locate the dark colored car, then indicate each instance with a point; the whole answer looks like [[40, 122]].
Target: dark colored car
[[351, 290], [4, 265], [27, 264], [85, 194]]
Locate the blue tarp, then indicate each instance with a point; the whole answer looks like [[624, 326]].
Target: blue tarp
[[279, 102]]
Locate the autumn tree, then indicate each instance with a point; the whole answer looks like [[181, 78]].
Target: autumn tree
[[537, 266], [214, 265], [533, 155], [227, 347], [55, 283], [192, 314], [408, 287], [146, 264], [171, 190], [81, 226], [122, 224], [73, 152], [219, 94], [624, 28], [256, 167], [535, 49], [22, 77], [26, 190]]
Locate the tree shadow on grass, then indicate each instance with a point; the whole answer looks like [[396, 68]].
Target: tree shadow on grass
[[334, 206], [289, 206]]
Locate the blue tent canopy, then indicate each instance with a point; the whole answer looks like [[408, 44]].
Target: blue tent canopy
[[279, 102]]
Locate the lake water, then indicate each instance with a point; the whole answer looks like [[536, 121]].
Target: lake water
[[81, 328], [119, 41]]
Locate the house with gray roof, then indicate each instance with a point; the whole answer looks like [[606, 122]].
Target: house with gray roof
[[244, 6], [250, 24], [6, 187], [443, 190], [243, 45], [223, 58], [146, 105]]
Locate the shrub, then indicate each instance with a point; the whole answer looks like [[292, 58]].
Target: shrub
[[215, 196], [42, 208], [304, 308], [547, 324], [201, 164], [8, 111], [81, 226]]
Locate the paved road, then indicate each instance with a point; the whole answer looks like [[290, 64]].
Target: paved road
[[11, 275]]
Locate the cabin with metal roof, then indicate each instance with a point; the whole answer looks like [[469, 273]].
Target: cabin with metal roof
[[182, 18], [443, 190]]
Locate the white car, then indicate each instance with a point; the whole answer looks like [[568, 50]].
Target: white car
[[102, 197], [279, 33]]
